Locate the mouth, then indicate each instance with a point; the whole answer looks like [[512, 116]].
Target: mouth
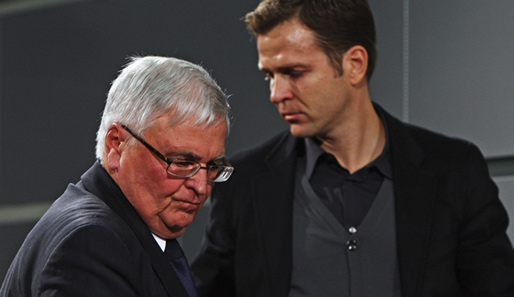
[[291, 117], [186, 205], [187, 202]]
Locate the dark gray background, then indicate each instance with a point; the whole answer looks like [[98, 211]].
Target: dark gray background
[[443, 65]]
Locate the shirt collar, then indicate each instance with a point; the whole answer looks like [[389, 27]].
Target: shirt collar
[[161, 242], [312, 151], [382, 162]]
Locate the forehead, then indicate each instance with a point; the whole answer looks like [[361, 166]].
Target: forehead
[[285, 43], [187, 138]]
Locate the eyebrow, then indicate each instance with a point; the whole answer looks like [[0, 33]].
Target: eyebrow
[[191, 156], [285, 68]]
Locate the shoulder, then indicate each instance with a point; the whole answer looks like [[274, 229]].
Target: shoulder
[[446, 148], [77, 237], [75, 209], [433, 139], [256, 161], [77, 214], [412, 141]]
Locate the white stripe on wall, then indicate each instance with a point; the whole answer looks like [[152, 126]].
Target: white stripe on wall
[[24, 213]]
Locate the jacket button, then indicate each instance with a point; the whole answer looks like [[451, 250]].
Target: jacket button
[[351, 245]]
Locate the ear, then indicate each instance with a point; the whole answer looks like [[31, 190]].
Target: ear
[[355, 64], [114, 138]]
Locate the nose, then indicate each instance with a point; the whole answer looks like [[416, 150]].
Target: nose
[[199, 183], [280, 89]]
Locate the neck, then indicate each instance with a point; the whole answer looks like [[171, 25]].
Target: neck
[[358, 140]]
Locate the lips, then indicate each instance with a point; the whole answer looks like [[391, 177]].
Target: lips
[[188, 208], [291, 116], [187, 202]]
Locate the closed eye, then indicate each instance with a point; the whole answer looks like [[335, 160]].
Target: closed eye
[[183, 163], [295, 74]]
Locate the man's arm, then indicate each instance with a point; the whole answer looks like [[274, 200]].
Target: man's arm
[[485, 263]]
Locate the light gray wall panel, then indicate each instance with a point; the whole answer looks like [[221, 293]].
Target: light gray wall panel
[[386, 85], [462, 70]]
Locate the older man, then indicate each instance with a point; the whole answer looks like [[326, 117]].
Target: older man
[[160, 147]]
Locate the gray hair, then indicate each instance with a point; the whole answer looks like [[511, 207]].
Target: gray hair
[[148, 87]]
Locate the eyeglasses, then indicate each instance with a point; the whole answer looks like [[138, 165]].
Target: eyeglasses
[[217, 172]]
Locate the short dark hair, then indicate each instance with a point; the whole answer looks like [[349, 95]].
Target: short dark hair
[[337, 24]]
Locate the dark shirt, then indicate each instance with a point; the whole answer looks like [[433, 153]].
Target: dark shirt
[[348, 196]]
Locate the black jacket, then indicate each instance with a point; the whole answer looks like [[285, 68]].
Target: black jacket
[[91, 242], [450, 224]]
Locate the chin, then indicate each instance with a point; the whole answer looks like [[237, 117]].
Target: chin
[[179, 232], [300, 132], [178, 226], [177, 229]]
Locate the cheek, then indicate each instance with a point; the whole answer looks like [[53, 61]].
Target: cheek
[[156, 186], [308, 92], [155, 199], [152, 176], [163, 189]]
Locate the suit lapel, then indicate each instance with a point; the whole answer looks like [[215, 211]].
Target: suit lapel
[[274, 207], [414, 192], [99, 183]]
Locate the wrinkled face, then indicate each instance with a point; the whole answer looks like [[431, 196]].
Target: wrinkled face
[[167, 204], [304, 86]]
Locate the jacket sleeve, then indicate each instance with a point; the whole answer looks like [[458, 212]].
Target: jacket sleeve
[[485, 258]]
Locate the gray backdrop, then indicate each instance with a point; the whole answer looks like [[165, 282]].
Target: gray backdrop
[[443, 65]]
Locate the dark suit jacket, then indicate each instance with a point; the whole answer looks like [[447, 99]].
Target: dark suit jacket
[[450, 224], [91, 242]]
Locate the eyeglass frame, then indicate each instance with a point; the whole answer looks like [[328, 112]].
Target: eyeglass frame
[[226, 167]]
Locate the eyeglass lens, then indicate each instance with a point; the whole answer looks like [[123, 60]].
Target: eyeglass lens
[[185, 168]]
